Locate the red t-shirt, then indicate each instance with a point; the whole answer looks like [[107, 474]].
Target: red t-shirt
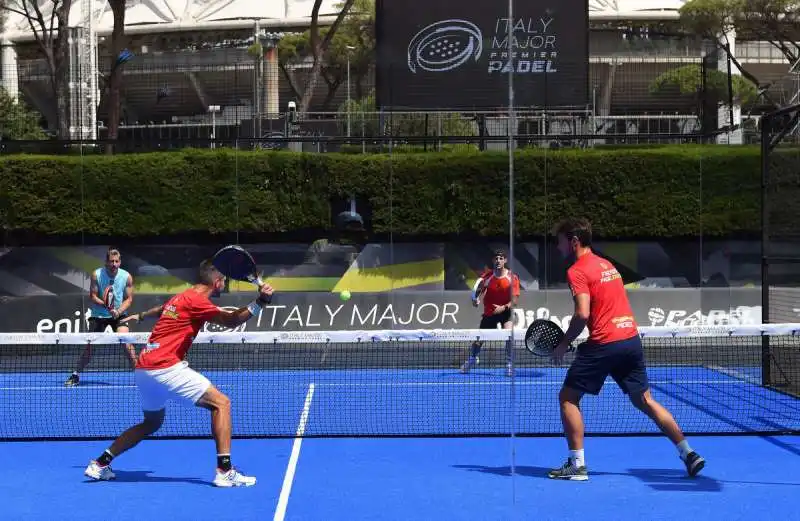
[[610, 316], [181, 319], [497, 290]]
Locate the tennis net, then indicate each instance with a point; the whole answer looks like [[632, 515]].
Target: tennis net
[[716, 379]]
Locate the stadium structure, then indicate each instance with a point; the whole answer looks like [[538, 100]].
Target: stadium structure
[[192, 68]]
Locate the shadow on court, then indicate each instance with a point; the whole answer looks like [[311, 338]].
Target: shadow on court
[[145, 476], [658, 479], [100, 383], [493, 374]]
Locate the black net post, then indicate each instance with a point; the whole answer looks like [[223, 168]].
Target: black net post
[[775, 127], [765, 148]]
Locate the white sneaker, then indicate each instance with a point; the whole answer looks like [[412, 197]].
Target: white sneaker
[[233, 478], [509, 370], [99, 473]]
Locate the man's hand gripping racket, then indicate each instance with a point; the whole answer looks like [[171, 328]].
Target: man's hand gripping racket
[[545, 338], [236, 263]]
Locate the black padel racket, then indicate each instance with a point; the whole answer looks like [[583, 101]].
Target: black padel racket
[[236, 263], [543, 336]]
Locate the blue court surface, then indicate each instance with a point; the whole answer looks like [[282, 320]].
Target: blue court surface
[[402, 479], [385, 401], [746, 477]]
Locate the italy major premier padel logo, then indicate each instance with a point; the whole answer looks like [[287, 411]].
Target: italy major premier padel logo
[[444, 46]]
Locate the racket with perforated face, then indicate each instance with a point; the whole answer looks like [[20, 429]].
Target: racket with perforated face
[[543, 336]]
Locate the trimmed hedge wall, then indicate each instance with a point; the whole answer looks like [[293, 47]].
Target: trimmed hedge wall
[[654, 192]]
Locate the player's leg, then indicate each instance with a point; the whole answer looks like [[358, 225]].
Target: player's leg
[[631, 376], [574, 468], [153, 420], [508, 324], [489, 322], [645, 402], [100, 468], [220, 407], [473, 359], [586, 375], [96, 325], [153, 395], [130, 350]]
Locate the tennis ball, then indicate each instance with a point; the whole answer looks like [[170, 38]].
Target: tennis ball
[[344, 295]]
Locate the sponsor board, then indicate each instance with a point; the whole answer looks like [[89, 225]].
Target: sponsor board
[[401, 311], [459, 55]]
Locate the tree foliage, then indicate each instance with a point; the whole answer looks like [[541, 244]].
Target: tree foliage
[[774, 21], [688, 81], [364, 122], [353, 37], [49, 23], [17, 121]]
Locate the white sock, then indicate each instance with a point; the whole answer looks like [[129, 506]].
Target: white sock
[[684, 449], [576, 456]]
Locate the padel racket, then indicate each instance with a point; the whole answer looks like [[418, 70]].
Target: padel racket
[[543, 336], [236, 263], [477, 290], [108, 298]]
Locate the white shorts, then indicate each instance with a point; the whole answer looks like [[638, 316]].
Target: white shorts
[[179, 382]]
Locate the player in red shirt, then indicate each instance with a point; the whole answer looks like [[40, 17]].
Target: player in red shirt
[[162, 373], [614, 348], [500, 290]]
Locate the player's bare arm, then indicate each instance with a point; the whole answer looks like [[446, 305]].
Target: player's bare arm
[[240, 316], [127, 300], [143, 315], [94, 290], [580, 317]]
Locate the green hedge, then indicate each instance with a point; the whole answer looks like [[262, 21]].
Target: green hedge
[[657, 192]]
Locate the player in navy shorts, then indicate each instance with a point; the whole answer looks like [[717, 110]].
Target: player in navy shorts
[[614, 348]]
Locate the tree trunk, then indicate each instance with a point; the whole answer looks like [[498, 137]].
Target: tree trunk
[[115, 80], [60, 66], [61, 89], [311, 84], [318, 49]]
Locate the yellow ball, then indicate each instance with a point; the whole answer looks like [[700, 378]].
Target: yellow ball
[[344, 295]]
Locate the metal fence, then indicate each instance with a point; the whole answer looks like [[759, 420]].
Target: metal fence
[[422, 131], [637, 83], [173, 92]]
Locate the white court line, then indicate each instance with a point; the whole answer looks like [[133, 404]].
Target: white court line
[[393, 384], [533, 383], [65, 388], [735, 374], [283, 500]]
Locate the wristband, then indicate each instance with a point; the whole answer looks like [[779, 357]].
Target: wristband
[[253, 308]]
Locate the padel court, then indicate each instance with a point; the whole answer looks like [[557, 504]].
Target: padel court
[[388, 429]]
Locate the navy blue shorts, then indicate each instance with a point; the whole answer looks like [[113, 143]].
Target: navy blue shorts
[[623, 360]]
